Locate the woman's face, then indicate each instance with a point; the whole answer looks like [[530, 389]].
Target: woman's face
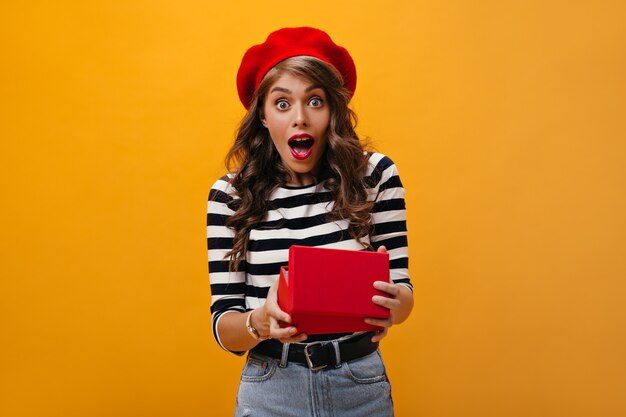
[[297, 117]]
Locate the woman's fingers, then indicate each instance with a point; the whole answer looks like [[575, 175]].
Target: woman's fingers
[[272, 309], [276, 314], [390, 303], [277, 317], [379, 335], [388, 287], [287, 334], [295, 339], [385, 324], [380, 322]]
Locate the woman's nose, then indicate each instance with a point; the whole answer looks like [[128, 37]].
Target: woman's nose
[[300, 116]]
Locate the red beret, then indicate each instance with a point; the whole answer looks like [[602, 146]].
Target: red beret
[[286, 43]]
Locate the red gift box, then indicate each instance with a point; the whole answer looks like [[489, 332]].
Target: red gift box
[[330, 290]]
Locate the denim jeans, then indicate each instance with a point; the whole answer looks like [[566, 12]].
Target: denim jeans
[[359, 388]]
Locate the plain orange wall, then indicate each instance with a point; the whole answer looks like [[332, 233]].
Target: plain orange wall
[[505, 118]]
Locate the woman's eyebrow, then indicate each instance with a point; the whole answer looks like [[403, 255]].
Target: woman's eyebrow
[[281, 89], [288, 91]]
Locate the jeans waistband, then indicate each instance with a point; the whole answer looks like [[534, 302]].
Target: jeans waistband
[[319, 355]]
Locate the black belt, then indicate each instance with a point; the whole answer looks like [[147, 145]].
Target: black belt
[[319, 355]]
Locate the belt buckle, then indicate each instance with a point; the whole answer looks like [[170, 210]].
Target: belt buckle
[[307, 356]]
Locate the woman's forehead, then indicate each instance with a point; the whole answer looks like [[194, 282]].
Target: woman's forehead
[[287, 82]]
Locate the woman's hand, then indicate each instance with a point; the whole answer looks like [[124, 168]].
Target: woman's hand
[[267, 318], [399, 302]]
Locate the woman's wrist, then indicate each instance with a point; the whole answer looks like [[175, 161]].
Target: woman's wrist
[[253, 327]]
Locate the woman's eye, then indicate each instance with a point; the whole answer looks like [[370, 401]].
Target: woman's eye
[[282, 105], [315, 102]]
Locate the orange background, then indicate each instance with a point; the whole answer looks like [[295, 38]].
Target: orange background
[[505, 118]]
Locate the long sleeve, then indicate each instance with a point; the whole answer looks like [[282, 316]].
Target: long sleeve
[[389, 217], [228, 289]]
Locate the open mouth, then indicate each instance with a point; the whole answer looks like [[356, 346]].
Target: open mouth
[[301, 146]]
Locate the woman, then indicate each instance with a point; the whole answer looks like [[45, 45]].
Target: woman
[[301, 176]]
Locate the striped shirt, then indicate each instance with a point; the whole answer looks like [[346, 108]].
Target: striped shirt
[[298, 216]]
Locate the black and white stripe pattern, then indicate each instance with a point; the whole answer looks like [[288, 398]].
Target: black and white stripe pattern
[[298, 216]]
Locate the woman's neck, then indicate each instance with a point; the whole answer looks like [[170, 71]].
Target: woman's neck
[[301, 179]]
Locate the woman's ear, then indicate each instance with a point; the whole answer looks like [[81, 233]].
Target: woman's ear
[[264, 123]]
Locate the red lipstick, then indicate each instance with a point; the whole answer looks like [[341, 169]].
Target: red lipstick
[[301, 145]]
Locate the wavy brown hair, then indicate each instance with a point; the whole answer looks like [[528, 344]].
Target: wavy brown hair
[[259, 169]]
